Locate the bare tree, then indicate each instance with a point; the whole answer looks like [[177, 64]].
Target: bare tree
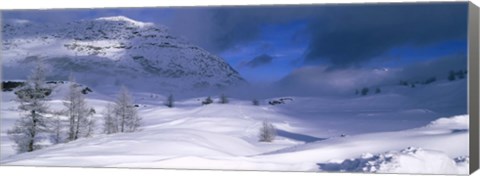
[[364, 91], [223, 99], [207, 101], [110, 120], [267, 132], [90, 125], [169, 102], [79, 114], [57, 126], [451, 75], [126, 113], [255, 102], [33, 121]]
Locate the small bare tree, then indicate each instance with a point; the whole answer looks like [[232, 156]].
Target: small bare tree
[[91, 124], [207, 101], [255, 102], [267, 132], [223, 99], [80, 122], [57, 126], [110, 120], [126, 113], [169, 102]]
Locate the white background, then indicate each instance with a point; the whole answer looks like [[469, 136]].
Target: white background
[[48, 4]]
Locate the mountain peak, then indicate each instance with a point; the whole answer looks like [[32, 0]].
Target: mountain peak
[[123, 19], [97, 50], [17, 21]]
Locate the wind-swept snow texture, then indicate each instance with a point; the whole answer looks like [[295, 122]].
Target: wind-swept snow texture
[[410, 160]]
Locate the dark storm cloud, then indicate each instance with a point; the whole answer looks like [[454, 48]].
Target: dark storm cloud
[[341, 35], [356, 34], [261, 60], [221, 28]]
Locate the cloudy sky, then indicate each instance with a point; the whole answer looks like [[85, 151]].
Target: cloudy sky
[[268, 43]]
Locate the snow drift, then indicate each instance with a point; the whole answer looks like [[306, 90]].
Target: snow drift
[[410, 160]]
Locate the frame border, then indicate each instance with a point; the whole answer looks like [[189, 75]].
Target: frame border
[[473, 92]]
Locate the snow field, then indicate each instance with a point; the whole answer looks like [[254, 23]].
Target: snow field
[[225, 136]]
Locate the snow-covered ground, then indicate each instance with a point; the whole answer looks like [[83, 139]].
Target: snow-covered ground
[[225, 136]]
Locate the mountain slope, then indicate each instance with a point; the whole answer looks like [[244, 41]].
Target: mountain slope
[[114, 51]]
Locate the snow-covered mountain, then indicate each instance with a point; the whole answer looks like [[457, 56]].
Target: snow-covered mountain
[[113, 51]]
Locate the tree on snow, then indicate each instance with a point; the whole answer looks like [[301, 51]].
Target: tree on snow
[[169, 102], [255, 102], [365, 91], [110, 120], [403, 83], [223, 99], [33, 121], [81, 123], [57, 126], [267, 132], [461, 74], [451, 75], [207, 101], [125, 112]]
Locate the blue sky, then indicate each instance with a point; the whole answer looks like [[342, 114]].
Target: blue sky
[[267, 43]]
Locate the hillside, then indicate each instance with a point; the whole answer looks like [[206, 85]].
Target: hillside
[[112, 51], [225, 136]]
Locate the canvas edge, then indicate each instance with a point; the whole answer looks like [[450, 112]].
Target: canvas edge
[[473, 92], [276, 4]]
